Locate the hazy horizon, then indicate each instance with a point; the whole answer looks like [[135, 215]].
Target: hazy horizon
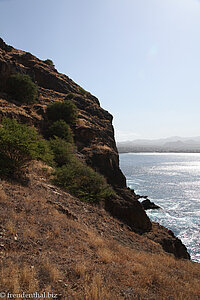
[[140, 58], [161, 138]]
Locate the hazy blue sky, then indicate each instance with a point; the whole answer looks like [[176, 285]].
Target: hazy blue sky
[[141, 58]]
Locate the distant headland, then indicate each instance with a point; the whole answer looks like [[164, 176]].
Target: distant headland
[[172, 144]]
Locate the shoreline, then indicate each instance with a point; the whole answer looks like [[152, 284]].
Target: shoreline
[[142, 186], [158, 152]]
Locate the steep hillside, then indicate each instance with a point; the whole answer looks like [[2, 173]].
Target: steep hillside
[[53, 243], [94, 136]]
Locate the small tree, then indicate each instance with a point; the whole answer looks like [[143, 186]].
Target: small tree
[[69, 96], [49, 62], [83, 182], [22, 88], [66, 111], [61, 130], [18, 145], [62, 150]]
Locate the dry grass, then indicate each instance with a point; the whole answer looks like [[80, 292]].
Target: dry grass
[[39, 168], [95, 239], [15, 278], [29, 233], [80, 269], [55, 253], [3, 196], [95, 290], [11, 227], [106, 255], [48, 270]]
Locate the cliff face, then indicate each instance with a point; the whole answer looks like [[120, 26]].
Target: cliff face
[[94, 134]]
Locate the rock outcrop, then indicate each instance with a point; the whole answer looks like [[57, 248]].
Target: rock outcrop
[[168, 241], [147, 204], [94, 134]]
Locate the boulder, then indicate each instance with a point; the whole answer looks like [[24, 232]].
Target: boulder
[[147, 204], [169, 242]]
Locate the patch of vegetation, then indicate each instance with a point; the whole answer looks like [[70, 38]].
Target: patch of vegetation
[[18, 145], [66, 111], [49, 62], [69, 96], [62, 130], [83, 182], [82, 91], [63, 151], [22, 88]]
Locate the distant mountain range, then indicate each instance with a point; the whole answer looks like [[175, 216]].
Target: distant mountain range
[[171, 144]]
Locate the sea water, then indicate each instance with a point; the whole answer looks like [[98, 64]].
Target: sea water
[[173, 182]]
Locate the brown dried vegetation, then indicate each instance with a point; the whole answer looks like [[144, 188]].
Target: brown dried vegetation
[[51, 241]]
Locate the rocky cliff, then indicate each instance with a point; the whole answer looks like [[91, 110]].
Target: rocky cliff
[[94, 134]]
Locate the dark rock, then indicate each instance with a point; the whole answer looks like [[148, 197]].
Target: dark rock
[[107, 163], [147, 204], [169, 242], [4, 46], [131, 214], [129, 210], [39, 109]]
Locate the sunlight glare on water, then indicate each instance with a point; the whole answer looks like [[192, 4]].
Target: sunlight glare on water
[[173, 182]]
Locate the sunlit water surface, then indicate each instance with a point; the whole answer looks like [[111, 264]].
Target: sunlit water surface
[[173, 182]]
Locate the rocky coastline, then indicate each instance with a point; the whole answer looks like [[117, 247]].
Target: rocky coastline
[[94, 138]]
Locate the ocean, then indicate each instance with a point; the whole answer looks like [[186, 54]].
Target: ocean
[[171, 180]]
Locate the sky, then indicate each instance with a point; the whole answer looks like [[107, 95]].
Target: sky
[[141, 58]]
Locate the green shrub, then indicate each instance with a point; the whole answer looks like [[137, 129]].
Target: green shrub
[[22, 88], [18, 145], [66, 111], [44, 151], [83, 182], [49, 62], [61, 130], [82, 91], [69, 96], [62, 150]]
